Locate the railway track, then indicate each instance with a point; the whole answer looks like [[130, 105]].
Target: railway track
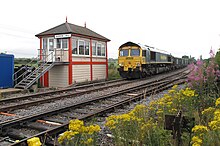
[[55, 121], [10, 104]]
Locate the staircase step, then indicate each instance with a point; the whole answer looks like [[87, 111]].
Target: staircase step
[[30, 79], [23, 84], [20, 87], [38, 72], [26, 81]]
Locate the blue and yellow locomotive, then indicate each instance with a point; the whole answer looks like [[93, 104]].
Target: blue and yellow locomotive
[[140, 61]]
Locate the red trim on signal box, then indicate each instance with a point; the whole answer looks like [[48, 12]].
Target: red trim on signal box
[[86, 63], [70, 68], [40, 49], [106, 61], [41, 78], [46, 79], [91, 74]]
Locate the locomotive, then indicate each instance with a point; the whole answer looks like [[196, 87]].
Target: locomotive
[[140, 61]]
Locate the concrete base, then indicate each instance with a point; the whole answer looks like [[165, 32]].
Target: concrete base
[[8, 91]]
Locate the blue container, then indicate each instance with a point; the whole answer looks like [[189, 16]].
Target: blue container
[[6, 70]]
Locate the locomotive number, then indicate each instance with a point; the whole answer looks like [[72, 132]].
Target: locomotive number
[[129, 58]]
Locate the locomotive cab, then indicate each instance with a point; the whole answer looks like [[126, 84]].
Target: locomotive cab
[[130, 60]]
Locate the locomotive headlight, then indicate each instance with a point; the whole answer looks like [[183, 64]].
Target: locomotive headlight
[[138, 64], [121, 64]]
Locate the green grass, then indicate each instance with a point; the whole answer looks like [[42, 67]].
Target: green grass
[[112, 71]]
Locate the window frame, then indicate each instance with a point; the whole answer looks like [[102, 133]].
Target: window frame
[[97, 50], [84, 43], [77, 49], [128, 52], [94, 55], [131, 50], [61, 43]]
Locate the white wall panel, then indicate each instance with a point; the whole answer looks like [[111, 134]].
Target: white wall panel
[[99, 71], [58, 76], [81, 73], [82, 58], [96, 59]]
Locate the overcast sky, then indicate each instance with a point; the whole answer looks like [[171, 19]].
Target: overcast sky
[[181, 27]]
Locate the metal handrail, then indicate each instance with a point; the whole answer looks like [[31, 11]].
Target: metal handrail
[[45, 59], [55, 55], [14, 76], [38, 66]]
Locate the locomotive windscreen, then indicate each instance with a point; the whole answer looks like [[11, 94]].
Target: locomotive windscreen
[[123, 52], [135, 52]]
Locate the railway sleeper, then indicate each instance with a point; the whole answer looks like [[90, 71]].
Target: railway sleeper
[[40, 126], [57, 120], [16, 134]]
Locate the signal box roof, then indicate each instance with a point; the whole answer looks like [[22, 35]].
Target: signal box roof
[[72, 29]]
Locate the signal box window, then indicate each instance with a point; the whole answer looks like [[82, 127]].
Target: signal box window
[[135, 52], [81, 48], [123, 53], [58, 43], [44, 43], [51, 44], [94, 48], [99, 50], [64, 43], [103, 50], [74, 46], [86, 47]]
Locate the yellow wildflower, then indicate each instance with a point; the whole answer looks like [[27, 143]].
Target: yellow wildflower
[[199, 129], [217, 102], [93, 128], [217, 114], [87, 141], [188, 92], [159, 112], [124, 117], [67, 135], [208, 111], [75, 125], [214, 125], [110, 124], [174, 87], [171, 91], [196, 141], [173, 110]]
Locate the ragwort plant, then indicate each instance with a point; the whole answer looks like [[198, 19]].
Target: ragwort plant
[[144, 125], [136, 128], [208, 133], [79, 135]]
